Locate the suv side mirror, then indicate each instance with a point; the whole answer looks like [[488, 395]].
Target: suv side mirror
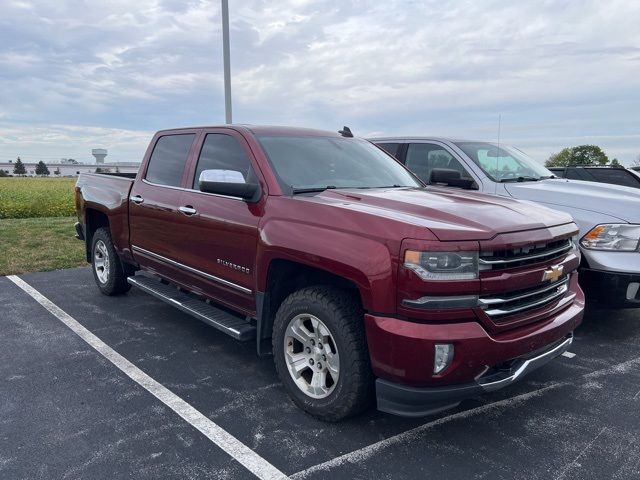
[[451, 177], [230, 183]]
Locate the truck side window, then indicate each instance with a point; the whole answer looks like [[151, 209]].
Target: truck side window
[[390, 148], [424, 157], [168, 159], [222, 152]]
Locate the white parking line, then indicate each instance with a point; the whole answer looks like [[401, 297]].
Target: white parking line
[[364, 453], [253, 462], [568, 354]]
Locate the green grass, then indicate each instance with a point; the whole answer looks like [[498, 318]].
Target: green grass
[[39, 244], [29, 197]]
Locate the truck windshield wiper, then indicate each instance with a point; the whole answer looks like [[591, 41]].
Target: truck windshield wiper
[[520, 179], [313, 189]]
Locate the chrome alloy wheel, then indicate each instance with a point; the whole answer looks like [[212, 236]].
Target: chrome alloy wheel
[[101, 261], [311, 356]]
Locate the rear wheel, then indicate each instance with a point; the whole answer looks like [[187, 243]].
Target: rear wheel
[[109, 272], [321, 353]]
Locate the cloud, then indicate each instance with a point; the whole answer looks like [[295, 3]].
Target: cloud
[[556, 72]]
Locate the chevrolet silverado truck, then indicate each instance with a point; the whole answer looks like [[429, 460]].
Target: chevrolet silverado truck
[[608, 215], [363, 283]]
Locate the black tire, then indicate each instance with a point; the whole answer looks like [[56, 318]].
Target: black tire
[[112, 279], [342, 314]]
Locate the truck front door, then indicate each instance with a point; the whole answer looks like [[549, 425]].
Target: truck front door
[[220, 233]]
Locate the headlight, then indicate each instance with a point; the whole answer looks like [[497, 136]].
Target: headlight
[[442, 265], [620, 237]]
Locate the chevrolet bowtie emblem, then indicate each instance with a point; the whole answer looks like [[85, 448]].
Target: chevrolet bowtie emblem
[[553, 274]]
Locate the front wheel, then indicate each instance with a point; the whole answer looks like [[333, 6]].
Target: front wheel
[[109, 272], [320, 352]]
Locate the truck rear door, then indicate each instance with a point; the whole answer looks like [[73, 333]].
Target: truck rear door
[[154, 219]]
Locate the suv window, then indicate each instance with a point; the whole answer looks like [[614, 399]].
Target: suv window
[[222, 152], [615, 176], [422, 158], [168, 159], [390, 148]]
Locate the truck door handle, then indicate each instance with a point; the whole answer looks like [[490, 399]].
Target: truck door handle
[[137, 199], [188, 210]]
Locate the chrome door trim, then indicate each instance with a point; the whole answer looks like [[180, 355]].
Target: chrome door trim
[[191, 269]]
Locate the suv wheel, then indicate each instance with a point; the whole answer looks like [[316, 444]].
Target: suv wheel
[[321, 353], [109, 272]]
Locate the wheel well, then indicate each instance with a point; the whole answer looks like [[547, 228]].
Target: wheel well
[[284, 278], [94, 220]]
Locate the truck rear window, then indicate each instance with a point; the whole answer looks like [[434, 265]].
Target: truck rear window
[[168, 159]]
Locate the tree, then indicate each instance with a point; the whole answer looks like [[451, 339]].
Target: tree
[[636, 162], [615, 163], [41, 169], [580, 155], [18, 168]]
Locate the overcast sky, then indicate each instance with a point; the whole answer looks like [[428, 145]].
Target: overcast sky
[[78, 75]]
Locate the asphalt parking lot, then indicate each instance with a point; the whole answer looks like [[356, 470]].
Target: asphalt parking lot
[[67, 411]]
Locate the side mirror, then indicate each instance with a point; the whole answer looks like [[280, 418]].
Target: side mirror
[[452, 178], [230, 183]]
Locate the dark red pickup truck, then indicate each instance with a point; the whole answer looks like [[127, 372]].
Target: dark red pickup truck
[[361, 281]]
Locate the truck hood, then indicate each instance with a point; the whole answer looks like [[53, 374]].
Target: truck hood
[[613, 200], [449, 214]]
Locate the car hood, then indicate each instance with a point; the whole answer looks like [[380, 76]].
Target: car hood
[[613, 200], [449, 214]]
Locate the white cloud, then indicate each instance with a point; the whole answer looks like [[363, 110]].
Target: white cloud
[[557, 72]]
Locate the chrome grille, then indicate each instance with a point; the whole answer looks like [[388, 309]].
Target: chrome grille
[[517, 257], [522, 300]]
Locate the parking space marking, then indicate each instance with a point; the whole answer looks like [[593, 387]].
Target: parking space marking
[[568, 354], [408, 435], [366, 452], [249, 459]]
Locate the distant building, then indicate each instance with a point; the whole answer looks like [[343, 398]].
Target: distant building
[[73, 170]]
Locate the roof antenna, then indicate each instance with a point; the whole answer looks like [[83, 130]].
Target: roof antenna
[[495, 192], [345, 132]]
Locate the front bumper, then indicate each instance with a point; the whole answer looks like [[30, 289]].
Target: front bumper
[[614, 289], [408, 401], [402, 356]]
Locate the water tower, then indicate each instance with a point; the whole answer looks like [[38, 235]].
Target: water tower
[[99, 153]]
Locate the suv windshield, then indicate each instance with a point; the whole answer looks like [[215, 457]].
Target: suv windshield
[[504, 164], [308, 163]]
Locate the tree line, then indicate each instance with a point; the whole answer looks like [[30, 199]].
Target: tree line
[[583, 155]]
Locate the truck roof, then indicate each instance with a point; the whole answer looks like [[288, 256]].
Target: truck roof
[[264, 130], [409, 138]]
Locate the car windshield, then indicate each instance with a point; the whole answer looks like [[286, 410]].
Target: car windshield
[[310, 163], [504, 164]]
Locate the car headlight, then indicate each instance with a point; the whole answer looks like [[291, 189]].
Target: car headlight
[[442, 265], [620, 237]]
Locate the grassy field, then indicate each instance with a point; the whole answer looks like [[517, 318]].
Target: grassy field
[[28, 197], [38, 244]]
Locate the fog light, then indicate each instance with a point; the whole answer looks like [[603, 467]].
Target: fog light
[[442, 357]]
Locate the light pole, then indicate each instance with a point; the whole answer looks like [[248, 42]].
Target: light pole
[[227, 68]]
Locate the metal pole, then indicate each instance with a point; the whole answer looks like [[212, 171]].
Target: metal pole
[[227, 67]]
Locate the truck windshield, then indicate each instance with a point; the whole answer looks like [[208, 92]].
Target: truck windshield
[[307, 163], [504, 164]]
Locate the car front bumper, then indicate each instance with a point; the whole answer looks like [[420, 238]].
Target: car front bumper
[[402, 357], [408, 401], [614, 289]]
